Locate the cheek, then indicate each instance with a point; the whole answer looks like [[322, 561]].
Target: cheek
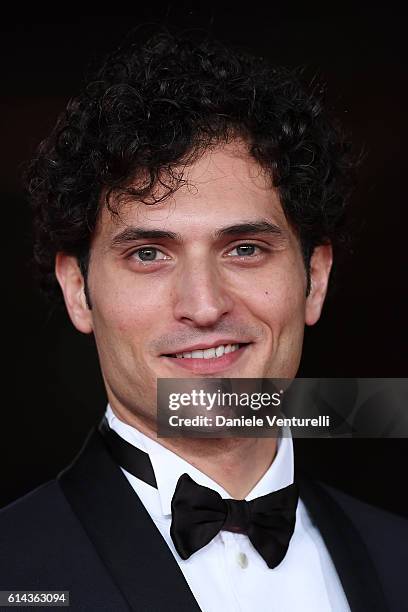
[[121, 333], [282, 311], [120, 324], [129, 308], [278, 303]]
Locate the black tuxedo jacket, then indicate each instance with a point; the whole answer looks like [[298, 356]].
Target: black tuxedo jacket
[[88, 533]]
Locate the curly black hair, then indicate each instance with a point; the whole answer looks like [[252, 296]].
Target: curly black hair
[[151, 109]]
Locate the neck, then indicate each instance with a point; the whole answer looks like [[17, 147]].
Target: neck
[[236, 464]]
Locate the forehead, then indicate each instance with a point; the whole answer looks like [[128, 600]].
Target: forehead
[[225, 186]]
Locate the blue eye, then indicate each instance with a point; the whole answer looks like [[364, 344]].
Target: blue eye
[[146, 254], [245, 250]]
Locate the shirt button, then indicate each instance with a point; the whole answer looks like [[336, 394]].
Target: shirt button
[[242, 560]]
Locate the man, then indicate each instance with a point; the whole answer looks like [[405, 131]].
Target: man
[[187, 204]]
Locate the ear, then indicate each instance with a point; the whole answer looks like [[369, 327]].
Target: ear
[[320, 266], [72, 284]]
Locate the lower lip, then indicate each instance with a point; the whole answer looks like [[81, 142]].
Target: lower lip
[[208, 366]]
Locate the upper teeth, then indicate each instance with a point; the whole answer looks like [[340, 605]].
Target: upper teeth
[[209, 353]]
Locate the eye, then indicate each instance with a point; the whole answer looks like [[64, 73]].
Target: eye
[[148, 254], [244, 250]]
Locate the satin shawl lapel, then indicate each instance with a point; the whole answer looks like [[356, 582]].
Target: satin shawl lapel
[[354, 566], [128, 542]]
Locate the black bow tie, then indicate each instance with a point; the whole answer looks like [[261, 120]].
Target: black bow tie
[[199, 513]]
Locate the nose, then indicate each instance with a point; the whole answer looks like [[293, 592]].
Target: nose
[[201, 297]]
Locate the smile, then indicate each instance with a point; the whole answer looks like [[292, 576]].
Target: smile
[[209, 353], [208, 360]]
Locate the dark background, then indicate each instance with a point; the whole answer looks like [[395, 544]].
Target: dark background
[[52, 389]]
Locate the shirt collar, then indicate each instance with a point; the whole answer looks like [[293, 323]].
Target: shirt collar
[[168, 466]]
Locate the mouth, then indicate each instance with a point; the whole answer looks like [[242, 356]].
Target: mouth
[[208, 359]]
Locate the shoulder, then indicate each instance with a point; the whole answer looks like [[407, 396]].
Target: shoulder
[[36, 513], [368, 518], [44, 547], [41, 540], [385, 538], [40, 522], [383, 531]]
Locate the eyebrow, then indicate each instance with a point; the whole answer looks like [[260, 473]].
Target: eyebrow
[[131, 234], [251, 227]]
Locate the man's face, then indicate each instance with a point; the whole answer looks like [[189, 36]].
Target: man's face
[[215, 266]]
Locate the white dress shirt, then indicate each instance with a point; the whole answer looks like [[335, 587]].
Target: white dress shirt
[[229, 574]]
